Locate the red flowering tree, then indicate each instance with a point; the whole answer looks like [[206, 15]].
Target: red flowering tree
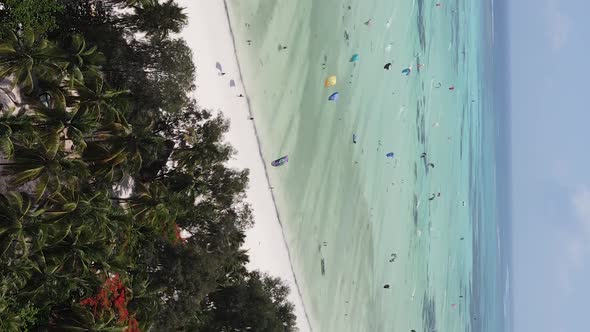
[[111, 301]]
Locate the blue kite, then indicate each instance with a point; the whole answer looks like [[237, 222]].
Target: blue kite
[[280, 162]]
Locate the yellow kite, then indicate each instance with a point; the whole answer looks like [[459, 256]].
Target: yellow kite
[[330, 81]]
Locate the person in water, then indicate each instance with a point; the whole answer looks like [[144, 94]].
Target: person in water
[[423, 155], [434, 196], [386, 286], [393, 257], [431, 165]]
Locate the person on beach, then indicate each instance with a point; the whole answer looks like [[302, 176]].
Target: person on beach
[[241, 95]]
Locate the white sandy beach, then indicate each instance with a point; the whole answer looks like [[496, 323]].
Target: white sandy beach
[[208, 34]]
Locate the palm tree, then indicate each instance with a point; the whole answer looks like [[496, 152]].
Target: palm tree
[[150, 205], [16, 211], [154, 208], [94, 96], [116, 149], [11, 127], [47, 163], [159, 19], [202, 147], [80, 59], [27, 57], [75, 124]]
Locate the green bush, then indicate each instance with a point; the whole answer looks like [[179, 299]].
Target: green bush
[[36, 14]]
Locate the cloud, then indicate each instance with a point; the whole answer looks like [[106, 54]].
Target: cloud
[[559, 25], [576, 242], [581, 204]]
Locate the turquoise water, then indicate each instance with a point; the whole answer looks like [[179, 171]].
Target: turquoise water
[[348, 204]]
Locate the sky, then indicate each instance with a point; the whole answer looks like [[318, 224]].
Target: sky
[[549, 74]]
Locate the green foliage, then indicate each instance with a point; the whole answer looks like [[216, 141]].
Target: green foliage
[[158, 19], [38, 15], [27, 57], [257, 303], [108, 172]]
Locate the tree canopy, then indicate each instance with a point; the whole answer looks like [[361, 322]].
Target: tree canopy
[[121, 213], [36, 14]]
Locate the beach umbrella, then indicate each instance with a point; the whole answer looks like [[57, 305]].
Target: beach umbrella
[[232, 83], [355, 58], [334, 96], [407, 71], [387, 66], [330, 81]]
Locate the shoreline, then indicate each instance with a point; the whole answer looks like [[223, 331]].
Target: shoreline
[[266, 240]]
